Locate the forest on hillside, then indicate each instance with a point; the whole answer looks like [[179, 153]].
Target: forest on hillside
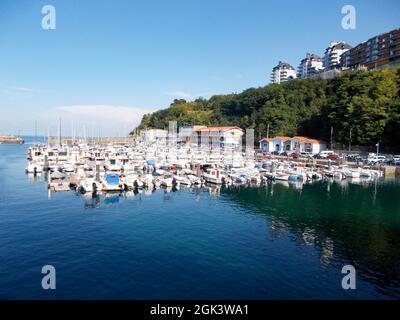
[[367, 103]]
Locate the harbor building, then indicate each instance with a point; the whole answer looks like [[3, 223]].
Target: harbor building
[[280, 144], [378, 52], [296, 144], [310, 66], [332, 56], [220, 137], [266, 145], [282, 72], [300, 144]]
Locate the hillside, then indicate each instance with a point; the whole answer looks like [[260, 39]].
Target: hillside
[[368, 102]]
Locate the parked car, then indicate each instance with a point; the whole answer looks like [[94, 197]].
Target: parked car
[[306, 154], [325, 154], [396, 160], [353, 157], [333, 157], [294, 155], [376, 160]]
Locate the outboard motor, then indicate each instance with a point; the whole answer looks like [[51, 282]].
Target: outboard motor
[[94, 186]]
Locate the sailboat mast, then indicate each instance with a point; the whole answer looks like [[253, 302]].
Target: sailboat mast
[[72, 132], [59, 131], [35, 131]]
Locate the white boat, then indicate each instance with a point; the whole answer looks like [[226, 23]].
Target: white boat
[[194, 179], [281, 176], [111, 182], [170, 182], [34, 168], [68, 168], [89, 184], [183, 180], [112, 166], [351, 173], [132, 181], [365, 173], [148, 180], [213, 176]]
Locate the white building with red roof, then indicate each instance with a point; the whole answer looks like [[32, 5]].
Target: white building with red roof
[[225, 136], [296, 144]]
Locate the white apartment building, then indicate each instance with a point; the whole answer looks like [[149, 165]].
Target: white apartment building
[[282, 72], [311, 65], [333, 54]]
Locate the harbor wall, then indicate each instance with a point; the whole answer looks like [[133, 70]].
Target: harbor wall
[[391, 171], [100, 140]]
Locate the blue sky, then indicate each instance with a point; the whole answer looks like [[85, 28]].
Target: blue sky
[[108, 62]]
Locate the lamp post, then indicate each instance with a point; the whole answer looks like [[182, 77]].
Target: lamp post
[[377, 149], [350, 140]]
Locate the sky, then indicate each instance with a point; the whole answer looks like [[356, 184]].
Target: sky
[[109, 62]]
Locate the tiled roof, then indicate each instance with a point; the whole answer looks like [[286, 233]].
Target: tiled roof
[[266, 139], [227, 128], [306, 139], [281, 138]]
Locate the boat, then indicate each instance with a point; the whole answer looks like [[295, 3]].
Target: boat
[[351, 173], [281, 176], [194, 179], [170, 182], [112, 166], [111, 182], [34, 168], [213, 176], [89, 184], [58, 182]]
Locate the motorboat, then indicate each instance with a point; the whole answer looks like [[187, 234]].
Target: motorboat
[[111, 182]]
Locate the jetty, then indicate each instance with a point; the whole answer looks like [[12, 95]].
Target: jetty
[[7, 139]]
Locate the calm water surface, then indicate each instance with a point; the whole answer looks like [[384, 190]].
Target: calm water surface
[[273, 242]]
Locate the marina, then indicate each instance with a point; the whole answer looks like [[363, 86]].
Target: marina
[[92, 168]]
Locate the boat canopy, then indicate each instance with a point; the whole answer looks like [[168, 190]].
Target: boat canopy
[[112, 179], [151, 163]]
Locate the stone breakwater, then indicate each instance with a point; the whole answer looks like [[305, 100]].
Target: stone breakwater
[[11, 140]]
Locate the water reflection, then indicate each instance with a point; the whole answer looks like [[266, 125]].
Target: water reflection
[[356, 222], [351, 221]]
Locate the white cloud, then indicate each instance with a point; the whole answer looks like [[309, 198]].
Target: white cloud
[[14, 90], [23, 89], [109, 120], [179, 94], [216, 78]]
